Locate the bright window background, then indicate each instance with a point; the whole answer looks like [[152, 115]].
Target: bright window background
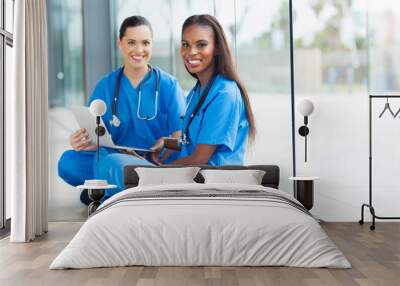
[[262, 41], [66, 88], [331, 70], [9, 12], [384, 42], [6, 43], [330, 41]]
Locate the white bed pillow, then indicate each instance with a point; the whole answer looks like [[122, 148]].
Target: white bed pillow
[[166, 176], [248, 177]]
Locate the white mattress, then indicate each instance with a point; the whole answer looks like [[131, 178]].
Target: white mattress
[[183, 231]]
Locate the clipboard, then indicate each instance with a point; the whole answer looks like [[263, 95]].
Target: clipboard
[[87, 120]]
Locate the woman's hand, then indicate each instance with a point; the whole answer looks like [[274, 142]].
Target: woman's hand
[[79, 140], [156, 149]]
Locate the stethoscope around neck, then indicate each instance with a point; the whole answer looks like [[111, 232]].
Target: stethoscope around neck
[[115, 120], [184, 140]]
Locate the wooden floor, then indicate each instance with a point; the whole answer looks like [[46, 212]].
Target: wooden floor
[[374, 255]]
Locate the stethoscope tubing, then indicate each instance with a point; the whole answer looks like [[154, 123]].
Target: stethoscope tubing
[[115, 120], [185, 134]]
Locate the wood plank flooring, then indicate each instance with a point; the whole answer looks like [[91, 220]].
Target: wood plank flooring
[[374, 255]]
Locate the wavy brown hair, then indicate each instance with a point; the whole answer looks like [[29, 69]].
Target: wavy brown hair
[[224, 61]]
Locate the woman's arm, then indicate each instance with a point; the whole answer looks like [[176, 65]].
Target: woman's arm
[[164, 142], [173, 141], [200, 156], [175, 136]]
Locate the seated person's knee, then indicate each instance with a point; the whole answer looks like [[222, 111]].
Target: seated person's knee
[[67, 167], [64, 163]]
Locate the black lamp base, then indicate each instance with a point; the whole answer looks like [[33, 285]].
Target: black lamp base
[[304, 193], [304, 131], [100, 130], [95, 195]]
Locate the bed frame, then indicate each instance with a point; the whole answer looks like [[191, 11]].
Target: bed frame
[[270, 179]]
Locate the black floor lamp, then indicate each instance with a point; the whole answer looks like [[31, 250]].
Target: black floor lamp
[[98, 108], [305, 107]]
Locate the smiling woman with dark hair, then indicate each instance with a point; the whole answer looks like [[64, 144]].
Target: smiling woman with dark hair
[[143, 103], [218, 117]]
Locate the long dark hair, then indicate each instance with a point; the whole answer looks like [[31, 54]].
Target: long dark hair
[[224, 61]]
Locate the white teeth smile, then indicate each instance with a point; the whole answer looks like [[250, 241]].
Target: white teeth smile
[[193, 62]]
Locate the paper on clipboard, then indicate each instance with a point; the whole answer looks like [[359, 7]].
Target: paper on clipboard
[[87, 120]]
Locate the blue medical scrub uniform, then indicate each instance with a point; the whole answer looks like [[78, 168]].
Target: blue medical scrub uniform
[[221, 121], [134, 131]]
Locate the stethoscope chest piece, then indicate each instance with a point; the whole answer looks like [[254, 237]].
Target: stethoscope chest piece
[[115, 121], [184, 140]]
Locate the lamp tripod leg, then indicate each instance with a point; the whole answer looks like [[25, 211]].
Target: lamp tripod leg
[[305, 151], [98, 146], [98, 136]]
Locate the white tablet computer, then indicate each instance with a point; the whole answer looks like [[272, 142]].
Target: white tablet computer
[[87, 120]]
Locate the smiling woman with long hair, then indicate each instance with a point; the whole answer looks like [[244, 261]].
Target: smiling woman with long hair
[[218, 118]]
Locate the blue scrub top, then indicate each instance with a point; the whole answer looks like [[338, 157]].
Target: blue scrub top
[[133, 131], [221, 121]]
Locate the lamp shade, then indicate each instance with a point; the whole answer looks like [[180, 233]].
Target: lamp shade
[[98, 107], [305, 107]]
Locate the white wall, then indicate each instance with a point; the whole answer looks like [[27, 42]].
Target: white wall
[[337, 151], [338, 154]]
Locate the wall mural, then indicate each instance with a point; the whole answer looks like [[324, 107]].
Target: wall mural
[[330, 59]]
